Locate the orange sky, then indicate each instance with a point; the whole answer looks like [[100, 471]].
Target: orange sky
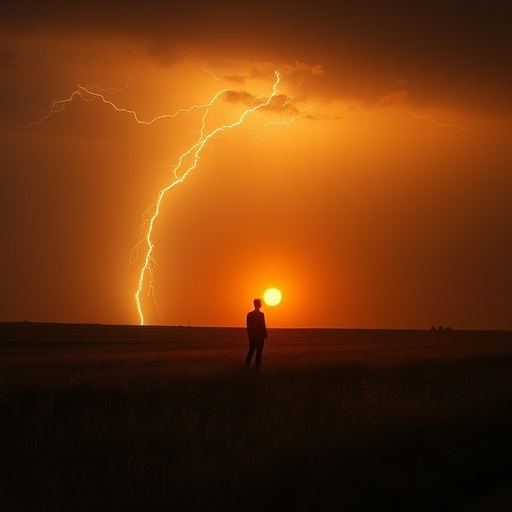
[[375, 192]]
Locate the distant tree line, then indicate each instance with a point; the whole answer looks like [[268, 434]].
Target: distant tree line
[[440, 328]]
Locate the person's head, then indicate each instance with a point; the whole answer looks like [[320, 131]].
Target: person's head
[[257, 303]]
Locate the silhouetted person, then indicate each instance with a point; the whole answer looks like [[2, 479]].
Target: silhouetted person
[[257, 333]]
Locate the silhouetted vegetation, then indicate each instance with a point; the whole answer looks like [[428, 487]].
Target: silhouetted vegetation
[[133, 427]]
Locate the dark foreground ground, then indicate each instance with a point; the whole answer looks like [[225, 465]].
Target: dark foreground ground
[[154, 418]]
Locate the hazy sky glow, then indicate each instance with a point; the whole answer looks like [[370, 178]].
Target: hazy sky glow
[[374, 190]]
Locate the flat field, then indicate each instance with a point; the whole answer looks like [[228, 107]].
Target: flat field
[[97, 417]]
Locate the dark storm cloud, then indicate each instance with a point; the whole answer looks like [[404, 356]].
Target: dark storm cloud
[[242, 97], [9, 61], [163, 51], [239, 79], [449, 53], [280, 103]]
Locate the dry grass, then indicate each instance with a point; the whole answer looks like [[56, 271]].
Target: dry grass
[[105, 418]]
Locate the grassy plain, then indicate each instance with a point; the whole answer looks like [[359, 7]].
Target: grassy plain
[[167, 418]]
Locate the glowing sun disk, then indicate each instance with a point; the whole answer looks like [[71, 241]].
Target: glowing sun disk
[[272, 297]]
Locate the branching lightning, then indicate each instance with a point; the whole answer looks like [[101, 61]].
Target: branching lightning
[[442, 125], [189, 159], [88, 94], [181, 173], [181, 170]]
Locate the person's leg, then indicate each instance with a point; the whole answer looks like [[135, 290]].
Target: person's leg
[[252, 348], [259, 352]]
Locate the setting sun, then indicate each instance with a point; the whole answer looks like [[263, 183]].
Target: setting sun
[[272, 297]]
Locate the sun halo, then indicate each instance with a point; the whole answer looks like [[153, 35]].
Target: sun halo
[[272, 297]]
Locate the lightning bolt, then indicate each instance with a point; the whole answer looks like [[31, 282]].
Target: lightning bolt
[[442, 125], [181, 172], [275, 102]]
